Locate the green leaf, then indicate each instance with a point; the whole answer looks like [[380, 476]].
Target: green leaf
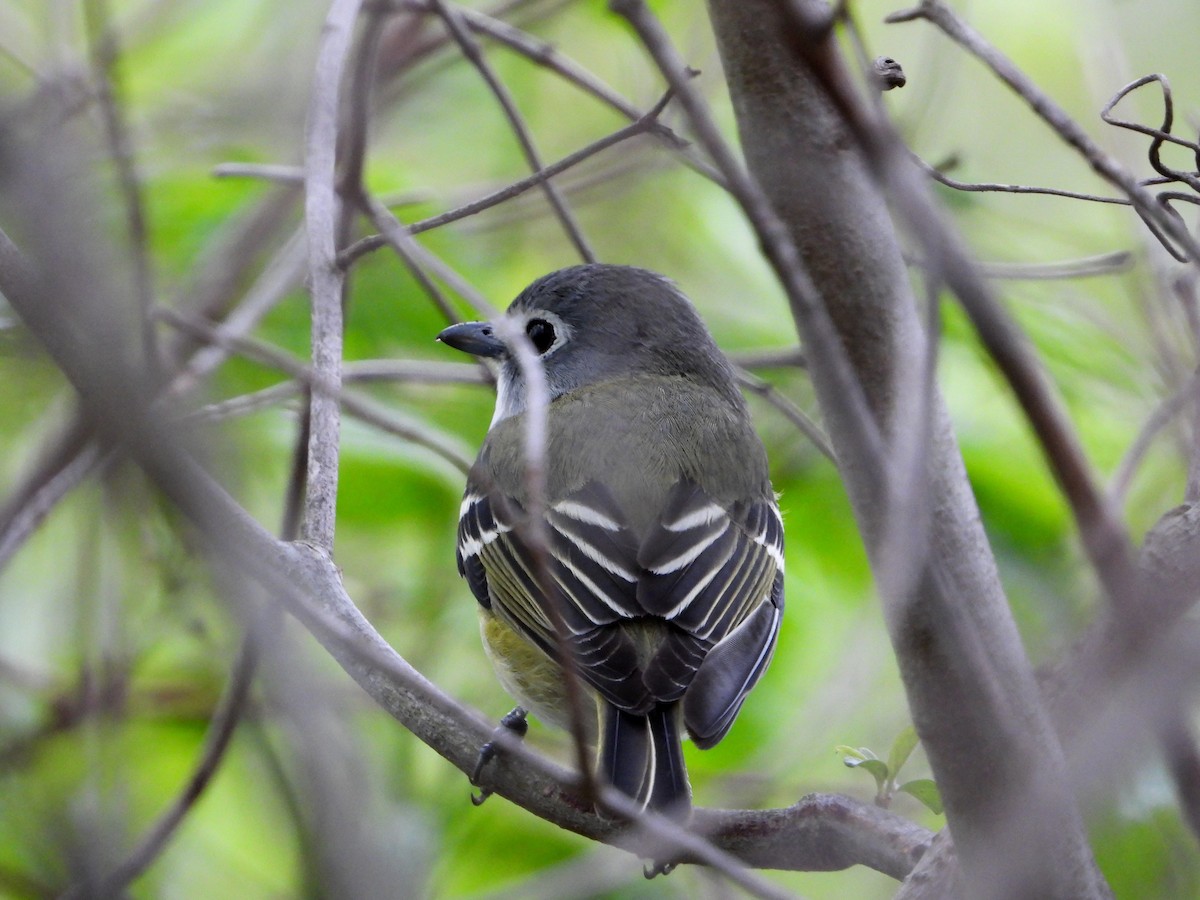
[[876, 767], [857, 753], [902, 748], [926, 791]]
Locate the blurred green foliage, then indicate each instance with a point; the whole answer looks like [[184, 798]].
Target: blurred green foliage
[[108, 596]]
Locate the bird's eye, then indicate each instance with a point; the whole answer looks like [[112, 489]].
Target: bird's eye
[[541, 334]]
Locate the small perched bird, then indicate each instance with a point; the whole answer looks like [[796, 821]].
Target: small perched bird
[[665, 545]]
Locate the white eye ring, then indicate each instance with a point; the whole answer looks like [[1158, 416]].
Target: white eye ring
[[538, 324]]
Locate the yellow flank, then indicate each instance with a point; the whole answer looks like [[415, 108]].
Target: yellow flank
[[528, 674]]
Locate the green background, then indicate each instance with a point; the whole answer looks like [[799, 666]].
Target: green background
[[109, 590]]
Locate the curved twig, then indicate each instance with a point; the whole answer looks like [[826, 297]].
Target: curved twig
[[1163, 226], [1160, 135]]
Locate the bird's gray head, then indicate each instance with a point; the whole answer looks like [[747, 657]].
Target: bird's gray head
[[593, 323]]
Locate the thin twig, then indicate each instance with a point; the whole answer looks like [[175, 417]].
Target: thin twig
[[1160, 222], [1085, 267], [225, 719], [470, 48], [415, 257], [35, 509], [281, 275], [105, 54], [411, 370], [537, 535], [546, 55], [790, 410], [646, 123], [355, 405], [353, 136], [1167, 409], [996, 187], [248, 404], [785, 358], [263, 171], [1160, 135], [825, 347]]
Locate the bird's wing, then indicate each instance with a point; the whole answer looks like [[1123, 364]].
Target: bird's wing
[[716, 574], [591, 562]]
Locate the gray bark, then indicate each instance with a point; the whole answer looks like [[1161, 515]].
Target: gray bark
[[970, 687]]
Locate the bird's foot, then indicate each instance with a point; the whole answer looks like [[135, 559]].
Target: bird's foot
[[656, 867], [514, 722]]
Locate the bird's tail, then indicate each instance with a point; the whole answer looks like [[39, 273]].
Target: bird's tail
[[642, 756]]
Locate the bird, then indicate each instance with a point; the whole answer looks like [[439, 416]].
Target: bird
[[663, 538]]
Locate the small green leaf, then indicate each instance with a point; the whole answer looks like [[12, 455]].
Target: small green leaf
[[924, 790], [859, 753], [876, 767], [902, 748]]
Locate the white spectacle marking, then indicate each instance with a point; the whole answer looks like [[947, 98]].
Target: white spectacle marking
[[685, 558], [702, 516], [581, 513]]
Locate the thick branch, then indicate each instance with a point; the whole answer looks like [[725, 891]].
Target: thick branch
[[321, 210], [969, 685]]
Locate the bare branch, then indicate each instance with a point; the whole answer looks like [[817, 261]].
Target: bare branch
[[105, 58], [790, 410], [995, 187], [645, 124], [471, 50], [291, 175], [968, 681], [360, 407], [1161, 135], [1160, 222], [326, 279], [547, 55], [34, 510], [1158, 419], [1088, 267], [281, 275]]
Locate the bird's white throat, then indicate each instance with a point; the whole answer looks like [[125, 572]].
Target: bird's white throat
[[510, 396]]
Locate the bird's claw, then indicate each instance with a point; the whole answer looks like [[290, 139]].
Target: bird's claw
[[513, 722], [656, 867]]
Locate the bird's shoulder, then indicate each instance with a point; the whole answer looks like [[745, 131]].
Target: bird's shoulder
[[640, 436]]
